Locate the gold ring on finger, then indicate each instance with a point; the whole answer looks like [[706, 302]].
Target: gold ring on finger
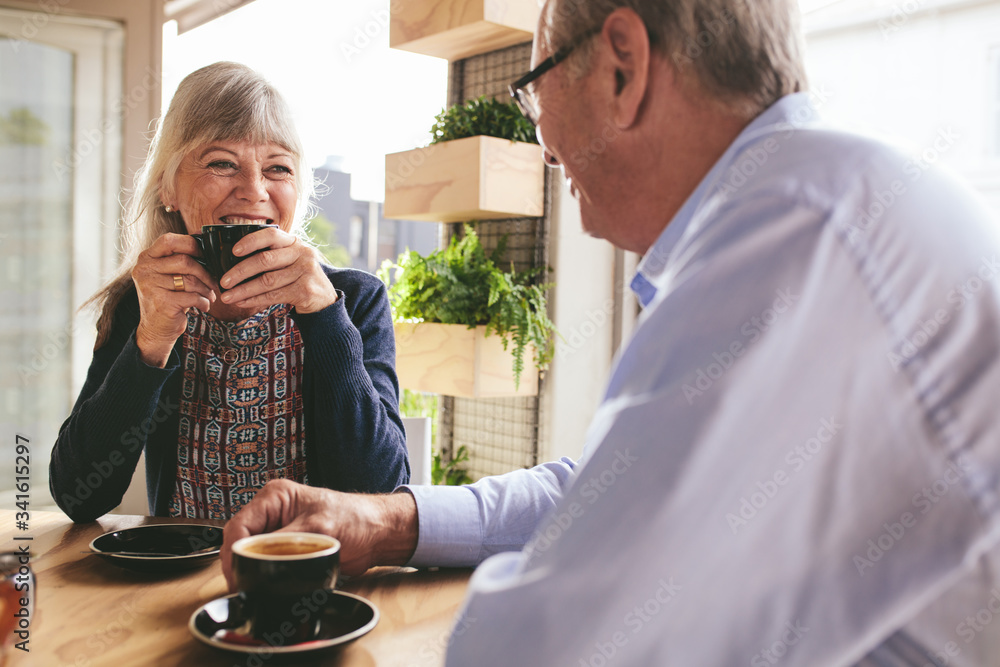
[[179, 283]]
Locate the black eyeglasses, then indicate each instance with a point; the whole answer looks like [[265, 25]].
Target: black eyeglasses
[[518, 89]]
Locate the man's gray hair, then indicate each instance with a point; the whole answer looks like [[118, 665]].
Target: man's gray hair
[[745, 53]]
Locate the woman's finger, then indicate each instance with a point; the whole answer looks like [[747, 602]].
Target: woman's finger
[[269, 260], [173, 244], [187, 300], [307, 295], [269, 237], [266, 282], [185, 282], [150, 262]]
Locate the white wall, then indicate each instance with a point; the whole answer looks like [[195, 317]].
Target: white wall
[[922, 71], [582, 308]]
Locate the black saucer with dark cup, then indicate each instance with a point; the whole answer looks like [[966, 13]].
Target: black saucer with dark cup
[[216, 244]]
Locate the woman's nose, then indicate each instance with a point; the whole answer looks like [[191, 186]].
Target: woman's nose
[[252, 187]]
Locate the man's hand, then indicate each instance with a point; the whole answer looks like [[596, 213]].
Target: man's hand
[[372, 529]]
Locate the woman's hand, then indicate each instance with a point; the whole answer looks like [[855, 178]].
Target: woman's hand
[[288, 271], [162, 307]]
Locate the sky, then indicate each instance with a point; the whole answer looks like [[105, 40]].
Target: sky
[[350, 93]]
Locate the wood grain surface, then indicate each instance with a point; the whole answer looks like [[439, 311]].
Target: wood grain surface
[[454, 360], [454, 29], [89, 612], [475, 178]]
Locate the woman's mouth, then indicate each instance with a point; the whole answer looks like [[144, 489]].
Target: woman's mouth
[[238, 220]]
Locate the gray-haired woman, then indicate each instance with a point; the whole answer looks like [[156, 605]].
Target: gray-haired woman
[[287, 375]]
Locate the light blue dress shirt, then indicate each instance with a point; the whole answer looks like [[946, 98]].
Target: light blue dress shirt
[[796, 459]]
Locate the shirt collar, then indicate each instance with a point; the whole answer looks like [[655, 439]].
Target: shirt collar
[[790, 112]]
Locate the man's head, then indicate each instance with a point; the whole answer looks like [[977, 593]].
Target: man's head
[[651, 96]]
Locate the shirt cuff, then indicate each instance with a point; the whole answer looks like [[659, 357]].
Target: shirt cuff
[[451, 532]]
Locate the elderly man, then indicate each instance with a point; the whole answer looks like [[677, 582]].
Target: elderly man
[[796, 460]]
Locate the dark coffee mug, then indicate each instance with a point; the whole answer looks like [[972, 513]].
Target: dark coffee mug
[[216, 245], [284, 581]]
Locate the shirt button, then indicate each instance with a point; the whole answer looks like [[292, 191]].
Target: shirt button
[[230, 356]]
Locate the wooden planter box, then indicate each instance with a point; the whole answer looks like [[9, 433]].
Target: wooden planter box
[[453, 360], [455, 29], [479, 178]]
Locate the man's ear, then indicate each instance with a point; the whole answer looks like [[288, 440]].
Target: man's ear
[[628, 41]]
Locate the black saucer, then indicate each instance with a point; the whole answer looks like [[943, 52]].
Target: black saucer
[[223, 623], [167, 547]]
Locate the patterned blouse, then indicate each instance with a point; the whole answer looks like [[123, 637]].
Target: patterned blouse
[[241, 416]]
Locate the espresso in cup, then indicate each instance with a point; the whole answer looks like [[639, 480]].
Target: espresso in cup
[[283, 581], [216, 245], [285, 548]]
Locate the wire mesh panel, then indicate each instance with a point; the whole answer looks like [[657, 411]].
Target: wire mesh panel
[[488, 74], [524, 240], [500, 434]]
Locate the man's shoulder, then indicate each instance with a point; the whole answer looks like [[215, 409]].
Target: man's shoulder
[[847, 173], [823, 159]]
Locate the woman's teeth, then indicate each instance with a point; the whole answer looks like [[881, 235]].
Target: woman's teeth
[[233, 220]]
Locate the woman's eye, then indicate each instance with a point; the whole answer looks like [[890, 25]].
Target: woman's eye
[[281, 169], [222, 165]]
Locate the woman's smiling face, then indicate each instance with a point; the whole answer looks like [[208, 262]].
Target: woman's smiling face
[[234, 182]]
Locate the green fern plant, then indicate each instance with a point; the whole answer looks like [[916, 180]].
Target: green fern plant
[[461, 284], [483, 116], [450, 472]]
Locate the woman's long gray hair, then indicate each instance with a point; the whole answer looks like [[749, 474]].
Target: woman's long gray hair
[[221, 102]]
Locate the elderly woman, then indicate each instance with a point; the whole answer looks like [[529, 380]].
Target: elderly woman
[[286, 373]]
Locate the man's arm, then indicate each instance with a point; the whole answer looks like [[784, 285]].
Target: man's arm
[[430, 525], [461, 526]]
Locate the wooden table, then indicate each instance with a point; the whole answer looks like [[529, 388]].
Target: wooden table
[[89, 612]]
